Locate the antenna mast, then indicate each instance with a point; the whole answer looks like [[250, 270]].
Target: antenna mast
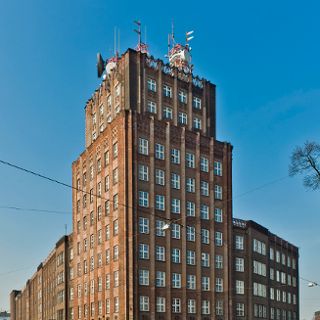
[[141, 46]]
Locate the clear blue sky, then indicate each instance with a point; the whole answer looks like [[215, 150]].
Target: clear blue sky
[[262, 55]]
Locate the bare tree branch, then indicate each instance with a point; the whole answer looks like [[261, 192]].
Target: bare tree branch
[[306, 160]]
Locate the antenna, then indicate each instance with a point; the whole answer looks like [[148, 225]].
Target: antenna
[[145, 34], [118, 52], [114, 40], [138, 23], [172, 31]]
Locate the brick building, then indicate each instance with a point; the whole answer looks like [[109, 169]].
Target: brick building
[[45, 295], [151, 161], [265, 274]]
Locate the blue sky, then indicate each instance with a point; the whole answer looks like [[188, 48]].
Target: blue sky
[[262, 55]]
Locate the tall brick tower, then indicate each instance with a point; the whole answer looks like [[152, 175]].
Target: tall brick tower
[[152, 209]]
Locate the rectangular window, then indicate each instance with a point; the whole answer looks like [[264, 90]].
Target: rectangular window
[[205, 283], [183, 118], [197, 123], [191, 233], [143, 172], [167, 113], [115, 150], [239, 264], [217, 168], [152, 85], [239, 242], [176, 305], [143, 277], [191, 185], [190, 160], [175, 206], [219, 307], [205, 259], [218, 192], [204, 164], [152, 107], [191, 209], [143, 225], [160, 177], [175, 255], [196, 103], [219, 285], [167, 91], [159, 151], [191, 306], [160, 253], [191, 257], [218, 238], [218, 217], [240, 309], [143, 199], [239, 287], [175, 156], [143, 146], [143, 251], [159, 228], [204, 212], [175, 231], [144, 303], [115, 176], [219, 261], [160, 202], [160, 279], [191, 282], [205, 307], [204, 187], [205, 236], [176, 280], [182, 96], [161, 304], [259, 247]]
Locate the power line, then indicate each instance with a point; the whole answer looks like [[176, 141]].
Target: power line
[[35, 210]]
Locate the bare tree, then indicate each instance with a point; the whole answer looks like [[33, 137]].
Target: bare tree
[[306, 160]]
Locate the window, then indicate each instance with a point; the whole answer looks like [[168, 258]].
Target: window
[[144, 303], [239, 287], [217, 168], [259, 247], [115, 150], [240, 309], [191, 233], [205, 259], [143, 225], [190, 185], [160, 177], [160, 253], [196, 103], [219, 285], [190, 160], [115, 176], [176, 305], [116, 304], [175, 156], [239, 242], [219, 307], [161, 304], [115, 227], [143, 199], [182, 96], [191, 282], [191, 306], [204, 212], [159, 151], [167, 113], [218, 215], [176, 255], [167, 91], [143, 146], [271, 254], [107, 183], [218, 192], [175, 231], [159, 228], [175, 205], [183, 118], [260, 290], [218, 238], [205, 236], [191, 209], [143, 251], [205, 307], [152, 85], [204, 164], [143, 172], [144, 277], [160, 279], [176, 280], [116, 278], [205, 283], [259, 268], [197, 123], [239, 264], [160, 202], [191, 257], [278, 256], [152, 107], [204, 187], [219, 261]]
